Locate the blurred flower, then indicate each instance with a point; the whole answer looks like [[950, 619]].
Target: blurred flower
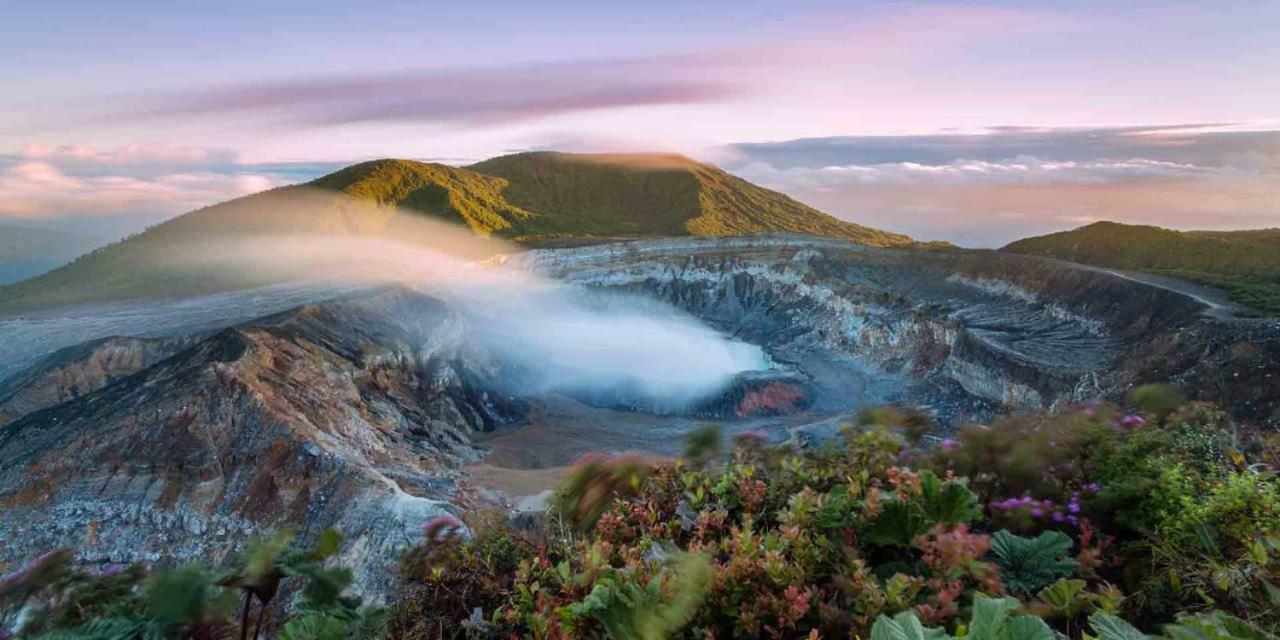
[[110, 570], [441, 528], [1133, 421]]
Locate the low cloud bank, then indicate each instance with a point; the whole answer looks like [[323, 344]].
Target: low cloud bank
[[988, 189]]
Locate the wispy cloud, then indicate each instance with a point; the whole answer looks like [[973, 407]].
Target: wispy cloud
[[990, 188], [1199, 144], [473, 96], [1019, 170]]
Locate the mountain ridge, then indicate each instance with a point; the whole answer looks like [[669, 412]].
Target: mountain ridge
[[531, 198], [1246, 264]]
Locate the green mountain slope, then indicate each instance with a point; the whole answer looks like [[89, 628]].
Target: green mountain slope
[[1244, 263], [533, 198], [653, 195]]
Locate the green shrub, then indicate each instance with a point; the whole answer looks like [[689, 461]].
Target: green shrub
[[1089, 522], [121, 603]]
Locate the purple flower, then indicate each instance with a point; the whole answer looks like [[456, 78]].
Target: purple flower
[[22, 574], [1091, 409], [1037, 512], [1057, 516], [110, 570], [1073, 506], [1093, 487], [1073, 520], [1133, 421], [949, 444]]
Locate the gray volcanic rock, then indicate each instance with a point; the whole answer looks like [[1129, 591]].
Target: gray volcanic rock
[[77, 370], [350, 415], [966, 332]]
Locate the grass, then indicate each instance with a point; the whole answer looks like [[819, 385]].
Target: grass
[[1245, 264]]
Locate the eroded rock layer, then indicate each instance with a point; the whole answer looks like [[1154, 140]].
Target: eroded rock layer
[[349, 415], [968, 332]]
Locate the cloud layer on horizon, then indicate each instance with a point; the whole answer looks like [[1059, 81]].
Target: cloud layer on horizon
[[974, 190], [116, 191], [1011, 182]]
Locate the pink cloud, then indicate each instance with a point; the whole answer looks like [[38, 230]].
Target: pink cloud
[[131, 155], [36, 189]]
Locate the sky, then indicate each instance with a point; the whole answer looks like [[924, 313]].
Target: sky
[[976, 123]]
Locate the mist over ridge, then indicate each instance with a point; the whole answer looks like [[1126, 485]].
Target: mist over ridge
[[560, 337]]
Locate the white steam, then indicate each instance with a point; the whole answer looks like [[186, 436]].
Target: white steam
[[561, 337], [606, 344]]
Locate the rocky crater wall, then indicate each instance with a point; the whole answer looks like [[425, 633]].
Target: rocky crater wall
[[968, 332]]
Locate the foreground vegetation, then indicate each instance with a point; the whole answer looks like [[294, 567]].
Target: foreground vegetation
[[1245, 264], [1095, 521], [1157, 519]]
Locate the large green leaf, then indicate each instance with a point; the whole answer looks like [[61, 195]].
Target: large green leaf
[[181, 596], [897, 525], [1216, 626], [990, 616], [991, 621], [904, 626], [1031, 564], [1109, 627], [629, 610], [1027, 628], [1063, 596], [949, 501]]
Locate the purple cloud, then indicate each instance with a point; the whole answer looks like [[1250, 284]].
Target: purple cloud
[[487, 96]]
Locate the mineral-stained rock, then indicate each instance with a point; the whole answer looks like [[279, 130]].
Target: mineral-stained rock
[[964, 332], [348, 415], [81, 369]]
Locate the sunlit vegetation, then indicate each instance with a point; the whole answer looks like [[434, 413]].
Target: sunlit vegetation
[[1097, 521], [1155, 518], [1246, 264], [653, 194]]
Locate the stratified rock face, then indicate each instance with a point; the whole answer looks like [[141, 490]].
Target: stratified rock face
[[968, 332], [348, 415], [82, 369]]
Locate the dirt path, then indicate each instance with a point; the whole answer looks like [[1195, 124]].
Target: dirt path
[[1215, 300]]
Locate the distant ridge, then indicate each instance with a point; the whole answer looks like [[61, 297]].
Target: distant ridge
[[29, 251], [1244, 263], [533, 198]]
